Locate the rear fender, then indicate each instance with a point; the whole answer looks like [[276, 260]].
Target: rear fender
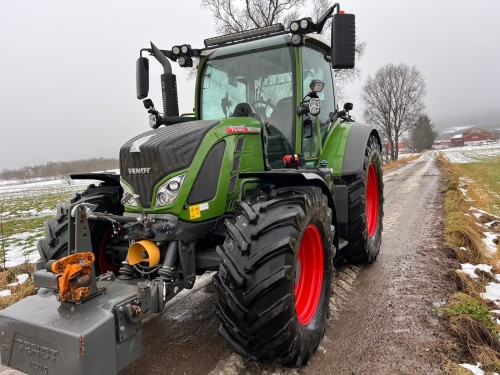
[[354, 155], [344, 148]]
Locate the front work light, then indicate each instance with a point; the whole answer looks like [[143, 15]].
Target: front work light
[[186, 50], [176, 50], [297, 40], [185, 61], [294, 27], [314, 107], [304, 23], [317, 85], [303, 26]]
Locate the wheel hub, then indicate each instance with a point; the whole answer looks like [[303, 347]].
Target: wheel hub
[[309, 275], [372, 200]]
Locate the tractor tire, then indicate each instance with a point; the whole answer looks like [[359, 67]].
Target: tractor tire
[[365, 208], [274, 280], [55, 243]]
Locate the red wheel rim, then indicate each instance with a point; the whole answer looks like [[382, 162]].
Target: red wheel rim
[[372, 200], [309, 274], [104, 266]]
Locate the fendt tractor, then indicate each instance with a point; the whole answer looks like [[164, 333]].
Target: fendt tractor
[[268, 183]]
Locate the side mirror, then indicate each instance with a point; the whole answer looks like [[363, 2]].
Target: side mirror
[[343, 41], [142, 77]]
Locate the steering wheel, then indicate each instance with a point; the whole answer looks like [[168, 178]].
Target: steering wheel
[[264, 103]]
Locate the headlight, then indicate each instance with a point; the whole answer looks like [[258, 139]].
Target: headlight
[[304, 23], [168, 191], [131, 202]]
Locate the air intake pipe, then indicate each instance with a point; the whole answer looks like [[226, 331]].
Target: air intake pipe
[[168, 84]]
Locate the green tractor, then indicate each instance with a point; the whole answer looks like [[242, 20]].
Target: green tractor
[[267, 183]]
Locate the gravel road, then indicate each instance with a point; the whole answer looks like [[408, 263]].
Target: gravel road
[[383, 316]]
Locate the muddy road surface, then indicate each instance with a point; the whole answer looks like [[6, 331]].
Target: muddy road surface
[[383, 318]]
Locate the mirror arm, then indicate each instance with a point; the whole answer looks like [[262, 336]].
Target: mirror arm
[[322, 20]]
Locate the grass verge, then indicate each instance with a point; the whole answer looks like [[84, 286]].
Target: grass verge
[[397, 163], [20, 291], [467, 314]]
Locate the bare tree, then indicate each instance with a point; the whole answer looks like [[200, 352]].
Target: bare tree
[[394, 101], [233, 16]]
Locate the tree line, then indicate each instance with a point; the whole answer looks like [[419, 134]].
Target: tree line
[[60, 168]]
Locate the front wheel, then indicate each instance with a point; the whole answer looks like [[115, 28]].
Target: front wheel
[[365, 208], [55, 243], [274, 281]]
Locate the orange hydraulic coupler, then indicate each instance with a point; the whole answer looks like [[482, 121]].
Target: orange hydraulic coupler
[[76, 273]]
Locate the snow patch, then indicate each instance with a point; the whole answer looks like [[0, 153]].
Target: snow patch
[[489, 241], [5, 293], [476, 370], [470, 269], [21, 279], [492, 292]]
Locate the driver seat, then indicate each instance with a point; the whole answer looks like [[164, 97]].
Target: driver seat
[[282, 116]]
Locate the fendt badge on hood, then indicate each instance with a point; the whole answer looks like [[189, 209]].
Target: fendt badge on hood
[[139, 170]]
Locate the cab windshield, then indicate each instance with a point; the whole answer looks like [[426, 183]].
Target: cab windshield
[[262, 77]]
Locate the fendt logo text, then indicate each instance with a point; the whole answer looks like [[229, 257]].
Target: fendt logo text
[[139, 170]]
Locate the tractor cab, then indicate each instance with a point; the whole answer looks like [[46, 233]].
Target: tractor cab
[[261, 79], [267, 74]]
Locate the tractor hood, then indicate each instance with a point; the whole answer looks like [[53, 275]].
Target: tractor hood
[[150, 156]]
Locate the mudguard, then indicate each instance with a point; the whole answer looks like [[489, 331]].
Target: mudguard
[[321, 178], [354, 154]]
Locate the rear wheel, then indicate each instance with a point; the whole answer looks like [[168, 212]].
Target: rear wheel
[[365, 208], [274, 281], [55, 243]]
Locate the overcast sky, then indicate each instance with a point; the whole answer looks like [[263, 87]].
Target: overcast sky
[[67, 70]]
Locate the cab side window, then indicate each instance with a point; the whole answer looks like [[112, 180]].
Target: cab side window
[[315, 66]]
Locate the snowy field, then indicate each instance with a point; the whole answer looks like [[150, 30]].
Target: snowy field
[[470, 154], [24, 207]]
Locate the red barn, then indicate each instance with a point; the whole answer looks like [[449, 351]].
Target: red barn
[[457, 140], [475, 135]]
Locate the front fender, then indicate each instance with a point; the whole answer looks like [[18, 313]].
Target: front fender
[[344, 149]]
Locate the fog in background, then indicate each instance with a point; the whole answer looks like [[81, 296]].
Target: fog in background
[[67, 71]]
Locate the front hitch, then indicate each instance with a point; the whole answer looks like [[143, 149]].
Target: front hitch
[[78, 323]]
